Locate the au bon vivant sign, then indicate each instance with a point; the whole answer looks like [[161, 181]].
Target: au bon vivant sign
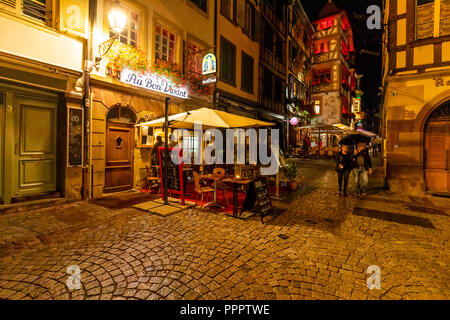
[[154, 82]]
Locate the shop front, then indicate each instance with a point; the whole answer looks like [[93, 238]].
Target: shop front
[[120, 153]]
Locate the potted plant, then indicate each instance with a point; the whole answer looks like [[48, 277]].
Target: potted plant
[[290, 172]]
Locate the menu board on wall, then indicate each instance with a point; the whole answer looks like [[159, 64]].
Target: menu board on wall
[[75, 137], [425, 18]]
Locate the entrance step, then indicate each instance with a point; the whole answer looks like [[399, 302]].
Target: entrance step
[[50, 195], [31, 205]]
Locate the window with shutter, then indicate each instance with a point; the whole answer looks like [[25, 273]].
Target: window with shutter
[[37, 10], [228, 61], [247, 73], [8, 4], [241, 13], [225, 8]]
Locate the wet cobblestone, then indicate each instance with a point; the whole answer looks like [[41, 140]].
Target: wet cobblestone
[[318, 248]]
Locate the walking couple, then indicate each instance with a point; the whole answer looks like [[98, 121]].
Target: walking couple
[[359, 163]]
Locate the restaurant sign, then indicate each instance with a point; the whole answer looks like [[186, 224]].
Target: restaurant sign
[[154, 82], [209, 64]]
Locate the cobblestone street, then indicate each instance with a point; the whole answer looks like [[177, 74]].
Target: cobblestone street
[[318, 248]]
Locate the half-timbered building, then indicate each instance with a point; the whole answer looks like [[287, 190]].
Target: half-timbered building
[[416, 113], [332, 78]]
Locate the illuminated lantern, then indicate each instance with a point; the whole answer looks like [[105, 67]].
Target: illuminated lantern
[[117, 19], [294, 121]]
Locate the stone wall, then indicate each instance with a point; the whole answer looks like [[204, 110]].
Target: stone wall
[[409, 101]]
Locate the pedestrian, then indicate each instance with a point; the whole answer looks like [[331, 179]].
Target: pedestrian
[[344, 163], [155, 153], [362, 168]]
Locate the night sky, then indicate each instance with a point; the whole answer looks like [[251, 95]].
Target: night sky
[[368, 65]]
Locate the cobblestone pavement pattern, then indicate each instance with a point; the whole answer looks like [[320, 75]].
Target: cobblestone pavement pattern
[[319, 248]]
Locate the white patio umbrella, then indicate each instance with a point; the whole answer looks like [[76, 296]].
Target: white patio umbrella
[[209, 118]]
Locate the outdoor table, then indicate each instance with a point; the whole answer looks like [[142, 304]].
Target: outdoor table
[[236, 183], [215, 178]]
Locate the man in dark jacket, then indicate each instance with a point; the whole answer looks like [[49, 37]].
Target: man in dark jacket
[[362, 168], [343, 161]]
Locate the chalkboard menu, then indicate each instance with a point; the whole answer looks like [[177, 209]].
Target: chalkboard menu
[[175, 182], [75, 137], [263, 198]]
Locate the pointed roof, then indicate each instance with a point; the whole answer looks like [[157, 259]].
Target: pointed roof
[[329, 10]]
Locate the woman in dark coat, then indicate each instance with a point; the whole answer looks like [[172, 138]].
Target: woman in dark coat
[[344, 161]]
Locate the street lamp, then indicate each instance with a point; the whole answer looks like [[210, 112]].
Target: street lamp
[[117, 20]]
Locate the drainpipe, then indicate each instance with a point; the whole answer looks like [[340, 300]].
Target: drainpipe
[[88, 57]]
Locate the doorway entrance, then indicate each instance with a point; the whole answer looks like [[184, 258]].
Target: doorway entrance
[[119, 145], [29, 153], [437, 150]]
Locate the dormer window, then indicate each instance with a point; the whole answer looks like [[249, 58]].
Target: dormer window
[[325, 24]]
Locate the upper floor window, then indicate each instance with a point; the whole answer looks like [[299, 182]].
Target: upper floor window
[[164, 44], [425, 19], [322, 76], [129, 34], [322, 47], [39, 10], [247, 73], [227, 61], [344, 49], [444, 28], [226, 7], [269, 35], [325, 24], [249, 20], [317, 108], [201, 4]]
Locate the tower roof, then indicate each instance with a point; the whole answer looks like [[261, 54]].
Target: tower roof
[[330, 9]]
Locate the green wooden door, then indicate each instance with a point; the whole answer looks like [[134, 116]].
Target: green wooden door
[[31, 155], [35, 147]]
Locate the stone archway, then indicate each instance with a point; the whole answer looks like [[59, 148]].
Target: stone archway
[[437, 149]]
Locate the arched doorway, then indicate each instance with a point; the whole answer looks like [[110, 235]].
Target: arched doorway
[[119, 146], [437, 150]]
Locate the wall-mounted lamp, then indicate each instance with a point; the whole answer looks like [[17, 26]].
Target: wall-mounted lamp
[[117, 20]]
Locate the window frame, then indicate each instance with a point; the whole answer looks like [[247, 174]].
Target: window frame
[[229, 14], [198, 5], [432, 22], [245, 71], [158, 53], [232, 67]]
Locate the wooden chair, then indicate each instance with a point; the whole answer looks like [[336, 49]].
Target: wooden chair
[[201, 190], [152, 180], [222, 185]]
